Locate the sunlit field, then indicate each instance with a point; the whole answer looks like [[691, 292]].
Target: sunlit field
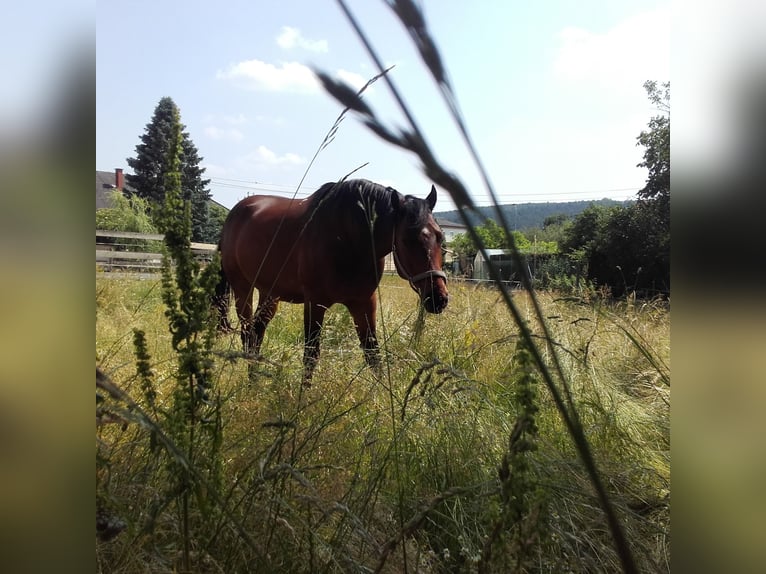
[[397, 472]]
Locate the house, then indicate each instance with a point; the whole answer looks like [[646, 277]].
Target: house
[[450, 228], [106, 182]]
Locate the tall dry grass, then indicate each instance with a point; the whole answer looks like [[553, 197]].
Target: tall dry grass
[[400, 473]]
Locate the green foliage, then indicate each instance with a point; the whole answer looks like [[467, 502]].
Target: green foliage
[[144, 368], [518, 526], [492, 235], [551, 234], [462, 245], [541, 247], [555, 220], [620, 248], [656, 141], [192, 422], [194, 188], [584, 239], [465, 249], [186, 291], [150, 166], [126, 214], [655, 207], [216, 218]]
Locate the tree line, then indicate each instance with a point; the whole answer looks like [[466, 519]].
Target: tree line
[[622, 248], [529, 215]]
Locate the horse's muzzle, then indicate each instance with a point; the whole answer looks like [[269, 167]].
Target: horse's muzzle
[[435, 301]]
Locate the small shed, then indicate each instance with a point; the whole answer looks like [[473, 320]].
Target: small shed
[[500, 257]]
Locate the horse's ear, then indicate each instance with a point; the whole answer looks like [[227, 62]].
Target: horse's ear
[[431, 199]]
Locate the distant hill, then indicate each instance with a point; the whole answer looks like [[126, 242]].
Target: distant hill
[[531, 215]]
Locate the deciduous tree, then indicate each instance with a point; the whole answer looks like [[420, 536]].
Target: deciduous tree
[[656, 141]]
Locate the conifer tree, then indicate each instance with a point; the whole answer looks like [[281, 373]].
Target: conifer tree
[[150, 166]]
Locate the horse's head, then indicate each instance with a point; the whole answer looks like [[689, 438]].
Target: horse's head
[[418, 249]]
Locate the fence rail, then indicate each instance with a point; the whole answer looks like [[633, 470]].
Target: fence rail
[[130, 252], [126, 252]]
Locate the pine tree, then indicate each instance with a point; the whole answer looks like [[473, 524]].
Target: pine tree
[[150, 165], [194, 188]]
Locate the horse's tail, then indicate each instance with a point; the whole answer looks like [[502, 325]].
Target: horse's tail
[[221, 298]]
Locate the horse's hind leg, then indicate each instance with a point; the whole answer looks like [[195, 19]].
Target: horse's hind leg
[[220, 302], [243, 296], [264, 313]]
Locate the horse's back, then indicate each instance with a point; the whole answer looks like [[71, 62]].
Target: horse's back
[[259, 244]]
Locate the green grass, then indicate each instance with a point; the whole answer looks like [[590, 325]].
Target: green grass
[[332, 478]]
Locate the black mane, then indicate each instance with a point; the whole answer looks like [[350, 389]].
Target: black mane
[[346, 195]]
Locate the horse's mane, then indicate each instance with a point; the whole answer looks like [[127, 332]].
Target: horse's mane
[[346, 195]]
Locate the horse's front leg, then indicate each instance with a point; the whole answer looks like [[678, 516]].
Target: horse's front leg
[[364, 314], [313, 317]]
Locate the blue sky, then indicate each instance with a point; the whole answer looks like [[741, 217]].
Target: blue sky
[[551, 91]]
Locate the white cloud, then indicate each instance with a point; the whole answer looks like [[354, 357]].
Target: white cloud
[[264, 156], [353, 79], [216, 133], [232, 120], [270, 120], [633, 51], [237, 120], [262, 76], [292, 37], [291, 77]]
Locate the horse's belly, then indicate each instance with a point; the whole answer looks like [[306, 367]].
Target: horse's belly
[[293, 299], [285, 286]]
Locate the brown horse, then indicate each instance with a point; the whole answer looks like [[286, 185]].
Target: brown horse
[[328, 248]]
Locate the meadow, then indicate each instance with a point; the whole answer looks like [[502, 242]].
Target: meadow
[[418, 470]]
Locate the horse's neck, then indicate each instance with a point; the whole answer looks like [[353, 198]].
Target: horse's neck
[[376, 217], [383, 231]]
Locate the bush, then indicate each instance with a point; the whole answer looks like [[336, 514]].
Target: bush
[[127, 214], [625, 249]]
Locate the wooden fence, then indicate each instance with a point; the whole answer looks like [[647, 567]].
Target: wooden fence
[[121, 252], [125, 252]]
